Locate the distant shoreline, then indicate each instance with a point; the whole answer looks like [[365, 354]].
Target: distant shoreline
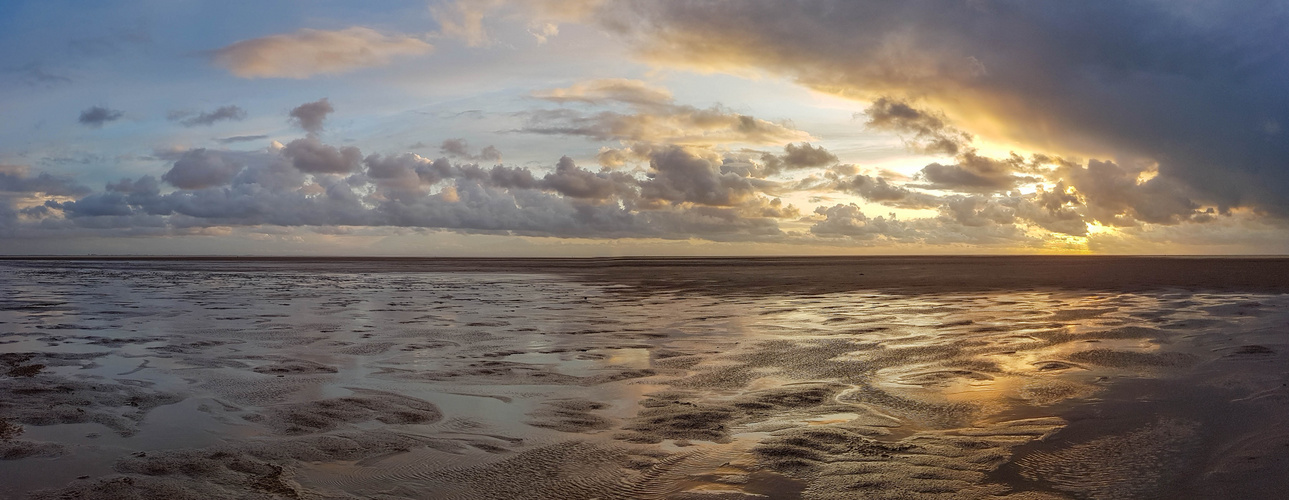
[[669, 258], [761, 275]]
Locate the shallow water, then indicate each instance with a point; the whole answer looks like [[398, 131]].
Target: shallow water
[[174, 379]]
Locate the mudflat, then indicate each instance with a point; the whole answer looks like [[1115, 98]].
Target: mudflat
[[910, 377]]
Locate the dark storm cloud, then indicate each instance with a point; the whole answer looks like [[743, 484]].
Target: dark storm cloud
[[208, 118], [310, 115], [1196, 86], [96, 116]]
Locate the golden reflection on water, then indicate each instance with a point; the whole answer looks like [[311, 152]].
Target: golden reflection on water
[[860, 394]]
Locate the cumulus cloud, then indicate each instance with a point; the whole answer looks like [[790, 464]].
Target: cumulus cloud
[[202, 168], [96, 116], [795, 157], [460, 148], [208, 118], [1117, 195], [683, 194], [455, 147], [310, 52], [574, 182], [269, 187], [851, 222], [310, 115], [878, 189], [976, 173], [679, 176], [312, 156]]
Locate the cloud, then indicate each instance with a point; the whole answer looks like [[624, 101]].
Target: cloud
[[683, 194], [794, 157], [208, 118], [202, 168], [968, 223], [310, 52], [806, 156], [923, 131], [241, 138], [96, 116], [679, 176], [851, 222], [310, 155], [310, 115], [465, 19], [35, 73], [18, 179], [460, 148], [268, 187], [674, 125], [574, 182], [1190, 86], [455, 147], [1116, 195], [489, 153], [976, 173], [608, 90], [878, 189], [118, 40], [655, 118]]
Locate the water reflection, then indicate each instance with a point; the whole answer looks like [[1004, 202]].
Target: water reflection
[[477, 385]]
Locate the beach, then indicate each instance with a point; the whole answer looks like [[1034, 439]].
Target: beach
[[910, 377]]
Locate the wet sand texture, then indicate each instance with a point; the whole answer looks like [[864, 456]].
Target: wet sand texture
[[940, 378]]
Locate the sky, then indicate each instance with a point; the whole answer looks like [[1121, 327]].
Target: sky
[[612, 128]]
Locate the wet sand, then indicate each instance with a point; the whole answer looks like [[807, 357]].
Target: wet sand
[[927, 377]]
